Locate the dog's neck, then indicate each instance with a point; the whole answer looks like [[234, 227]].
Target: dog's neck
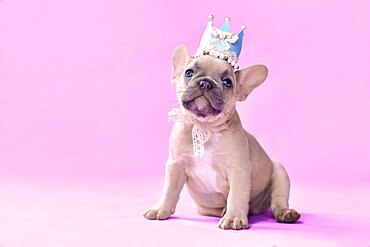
[[203, 130], [220, 124], [216, 125]]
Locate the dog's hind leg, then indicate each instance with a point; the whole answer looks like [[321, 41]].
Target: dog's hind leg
[[280, 188], [218, 212]]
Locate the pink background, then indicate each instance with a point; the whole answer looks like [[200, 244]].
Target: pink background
[[84, 86]]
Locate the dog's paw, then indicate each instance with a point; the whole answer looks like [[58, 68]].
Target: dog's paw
[[235, 222], [157, 214], [286, 215]]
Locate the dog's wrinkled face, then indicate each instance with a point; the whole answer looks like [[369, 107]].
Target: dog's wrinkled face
[[207, 86]]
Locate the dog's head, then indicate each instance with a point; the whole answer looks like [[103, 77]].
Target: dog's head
[[208, 87]]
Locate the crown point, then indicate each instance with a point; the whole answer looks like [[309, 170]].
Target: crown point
[[227, 19], [243, 27], [211, 17]]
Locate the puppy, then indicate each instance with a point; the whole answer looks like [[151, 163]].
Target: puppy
[[233, 176]]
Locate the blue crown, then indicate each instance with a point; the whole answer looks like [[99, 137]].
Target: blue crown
[[221, 43]]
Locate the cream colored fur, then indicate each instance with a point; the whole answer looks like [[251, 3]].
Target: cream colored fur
[[235, 176]]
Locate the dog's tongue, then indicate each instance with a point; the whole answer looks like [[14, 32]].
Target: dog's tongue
[[201, 103]]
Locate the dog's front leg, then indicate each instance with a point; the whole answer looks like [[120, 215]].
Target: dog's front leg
[[238, 199], [174, 181]]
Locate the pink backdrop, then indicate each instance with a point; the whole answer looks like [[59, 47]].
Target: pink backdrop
[[84, 96], [84, 85]]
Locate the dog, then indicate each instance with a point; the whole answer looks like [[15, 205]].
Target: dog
[[233, 176]]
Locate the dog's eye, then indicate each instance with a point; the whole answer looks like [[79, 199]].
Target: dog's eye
[[189, 73], [227, 83]]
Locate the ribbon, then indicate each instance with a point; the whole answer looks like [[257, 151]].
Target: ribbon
[[199, 135]]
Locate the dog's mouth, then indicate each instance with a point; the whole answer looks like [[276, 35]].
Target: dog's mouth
[[201, 107]]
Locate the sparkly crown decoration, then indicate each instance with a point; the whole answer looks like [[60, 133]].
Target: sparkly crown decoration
[[221, 43]]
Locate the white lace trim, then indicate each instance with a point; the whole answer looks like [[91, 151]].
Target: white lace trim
[[199, 135]]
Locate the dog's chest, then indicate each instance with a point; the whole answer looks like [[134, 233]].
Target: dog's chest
[[204, 174]]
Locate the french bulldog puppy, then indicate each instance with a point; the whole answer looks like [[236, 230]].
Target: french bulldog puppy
[[235, 176]]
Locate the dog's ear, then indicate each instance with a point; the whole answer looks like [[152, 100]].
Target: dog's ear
[[180, 58], [249, 78]]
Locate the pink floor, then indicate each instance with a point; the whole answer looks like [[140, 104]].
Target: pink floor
[[108, 213]]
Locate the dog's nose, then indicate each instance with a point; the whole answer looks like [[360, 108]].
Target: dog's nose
[[206, 85]]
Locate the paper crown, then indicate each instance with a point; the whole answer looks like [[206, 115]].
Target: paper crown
[[221, 43]]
